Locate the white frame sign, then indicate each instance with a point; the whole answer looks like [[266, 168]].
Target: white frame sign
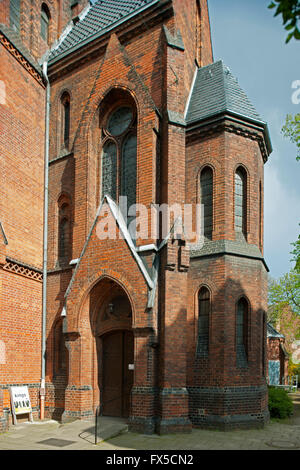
[[20, 402]]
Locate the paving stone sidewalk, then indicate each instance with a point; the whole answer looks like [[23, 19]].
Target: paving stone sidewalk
[[113, 435]]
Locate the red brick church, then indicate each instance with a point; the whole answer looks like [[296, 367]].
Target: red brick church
[[102, 101]]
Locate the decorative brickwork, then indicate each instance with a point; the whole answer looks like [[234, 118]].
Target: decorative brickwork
[[21, 59], [17, 268]]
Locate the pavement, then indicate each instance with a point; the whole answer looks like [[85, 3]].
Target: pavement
[[113, 435]]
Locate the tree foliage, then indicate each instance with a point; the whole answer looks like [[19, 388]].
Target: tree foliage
[[290, 12], [291, 129], [282, 292], [296, 254]]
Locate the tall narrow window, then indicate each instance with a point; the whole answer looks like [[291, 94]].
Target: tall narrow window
[[14, 15], [45, 20], [64, 232], [260, 218], [65, 120], [240, 219], [242, 332], [206, 191], [203, 321], [198, 33]]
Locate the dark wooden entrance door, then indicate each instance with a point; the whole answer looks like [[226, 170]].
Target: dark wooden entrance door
[[117, 379]]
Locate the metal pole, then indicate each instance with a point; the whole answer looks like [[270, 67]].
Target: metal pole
[[45, 242]]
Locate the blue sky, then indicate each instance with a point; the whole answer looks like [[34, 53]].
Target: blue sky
[[251, 42]]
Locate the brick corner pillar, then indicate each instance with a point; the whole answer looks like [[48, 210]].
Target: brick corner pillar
[[78, 395], [173, 394], [144, 391]]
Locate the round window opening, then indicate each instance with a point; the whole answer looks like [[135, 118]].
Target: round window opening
[[119, 121]]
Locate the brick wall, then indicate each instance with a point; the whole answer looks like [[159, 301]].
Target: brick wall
[[21, 213]]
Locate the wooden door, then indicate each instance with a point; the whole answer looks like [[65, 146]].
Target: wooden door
[[117, 379]]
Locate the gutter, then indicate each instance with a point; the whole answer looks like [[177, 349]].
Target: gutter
[[45, 243]]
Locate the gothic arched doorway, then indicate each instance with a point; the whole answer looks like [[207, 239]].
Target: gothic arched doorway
[[112, 324]]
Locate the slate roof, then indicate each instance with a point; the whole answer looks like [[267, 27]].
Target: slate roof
[[272, 333], [99, 17], [216, 91]]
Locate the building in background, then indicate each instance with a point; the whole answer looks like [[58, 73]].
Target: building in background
[[162, 331], [278, 357]]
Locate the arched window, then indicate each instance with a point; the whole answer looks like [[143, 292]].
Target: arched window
[[14, 14], [240, 200], [65, 120], [206, 192], [64, 232], [242, 314], [119, 153], [203, 321], [45, 21]]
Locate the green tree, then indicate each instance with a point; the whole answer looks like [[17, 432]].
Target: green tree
[[291, 129], [290, 12], [282, 293], [296, 254]]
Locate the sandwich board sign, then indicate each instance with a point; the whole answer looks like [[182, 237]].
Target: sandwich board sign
[[20, 402]]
